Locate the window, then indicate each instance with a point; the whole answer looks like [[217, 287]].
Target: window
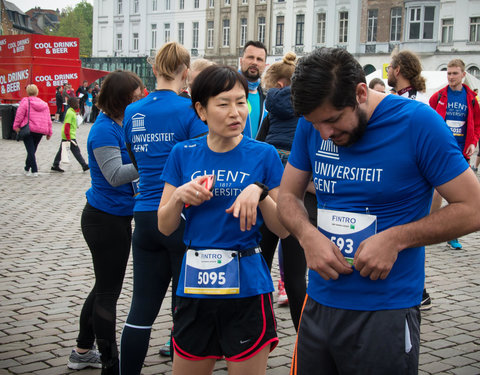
[[343, 27], [195, 35], [196, 4], [227, 2], [154, 5], [181, 33], [474, 71], [474, 29], [167, 4], [372, 21], [166, 34], [395, 24], [279, 31], [421, 22], [243, 32], [415, 19], [226, 33], [119, 42], [210, 34], [299, 29], [428, 22], [211, 3], [244, 2], [181, 4], [447, 30], [135, 41], [119, 7], [154, 36], [261, 29], [136, 7], [321, 22]]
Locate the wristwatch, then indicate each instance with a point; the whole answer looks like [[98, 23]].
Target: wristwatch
[[264, 188]]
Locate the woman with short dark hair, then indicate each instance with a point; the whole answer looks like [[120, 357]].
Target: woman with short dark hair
[[106, 222], [224, 307]]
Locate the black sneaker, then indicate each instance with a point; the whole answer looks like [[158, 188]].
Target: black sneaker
[[85, 167], [57, 169], [426, 303]]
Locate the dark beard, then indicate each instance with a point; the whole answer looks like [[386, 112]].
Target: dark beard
[[391, 82], [250, 77], [360, 130]]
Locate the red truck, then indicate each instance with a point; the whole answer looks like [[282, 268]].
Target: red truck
[[47, 61]]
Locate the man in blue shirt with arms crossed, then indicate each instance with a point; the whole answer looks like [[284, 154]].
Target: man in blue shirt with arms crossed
[[374, 169]]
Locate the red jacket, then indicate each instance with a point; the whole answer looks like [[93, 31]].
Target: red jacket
[[438, 102]]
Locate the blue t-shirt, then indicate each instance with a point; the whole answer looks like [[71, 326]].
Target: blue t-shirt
[[103, 196], [456, 115], [89, 101], [153, 125], [390, 172], [255, 111], [208, 226]]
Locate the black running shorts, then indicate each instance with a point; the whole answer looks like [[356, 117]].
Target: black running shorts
[[236, 329]]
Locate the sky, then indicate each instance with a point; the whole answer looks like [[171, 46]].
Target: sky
[[25, 5]]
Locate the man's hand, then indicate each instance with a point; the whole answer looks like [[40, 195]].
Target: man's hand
[[470, 150], [376, 255], [323, 256]]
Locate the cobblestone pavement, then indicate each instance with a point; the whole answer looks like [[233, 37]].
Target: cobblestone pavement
[[45, 274]]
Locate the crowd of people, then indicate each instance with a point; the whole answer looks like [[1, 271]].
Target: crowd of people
[[219, 168]]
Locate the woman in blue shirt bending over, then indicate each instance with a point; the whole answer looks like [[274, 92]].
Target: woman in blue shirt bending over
[[224, 295], [153, 126]]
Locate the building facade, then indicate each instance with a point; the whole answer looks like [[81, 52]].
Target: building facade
[[134, 28], [437, 30], [13, 21]]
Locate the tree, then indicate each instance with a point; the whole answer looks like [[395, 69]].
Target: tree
[[77, 23]]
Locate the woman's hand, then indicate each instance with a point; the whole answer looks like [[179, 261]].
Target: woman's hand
[[48, 137], [193, 193], [245, 206]]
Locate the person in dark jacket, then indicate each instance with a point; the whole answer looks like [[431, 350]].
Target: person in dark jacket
[[278, 129], [59, 103]]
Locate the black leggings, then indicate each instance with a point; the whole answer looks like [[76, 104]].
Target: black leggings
[[108, 237], [157, 259], [75, 151], [294, 263], [31, 142]]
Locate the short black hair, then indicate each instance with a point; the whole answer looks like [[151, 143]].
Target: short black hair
[[255, 43], [326, 75], [72, 102], [214, 80]]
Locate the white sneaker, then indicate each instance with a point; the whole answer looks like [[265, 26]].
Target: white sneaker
[[27, 173], [35, 174]]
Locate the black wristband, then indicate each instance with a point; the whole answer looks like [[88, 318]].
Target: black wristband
[[264, 192]]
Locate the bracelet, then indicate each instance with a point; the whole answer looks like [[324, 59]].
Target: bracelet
[[264, 192]]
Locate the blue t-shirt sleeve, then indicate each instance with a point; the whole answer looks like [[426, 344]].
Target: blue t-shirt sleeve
[[172, 170], [273, 168], [299, 156], [104, 136], [438, 155]]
